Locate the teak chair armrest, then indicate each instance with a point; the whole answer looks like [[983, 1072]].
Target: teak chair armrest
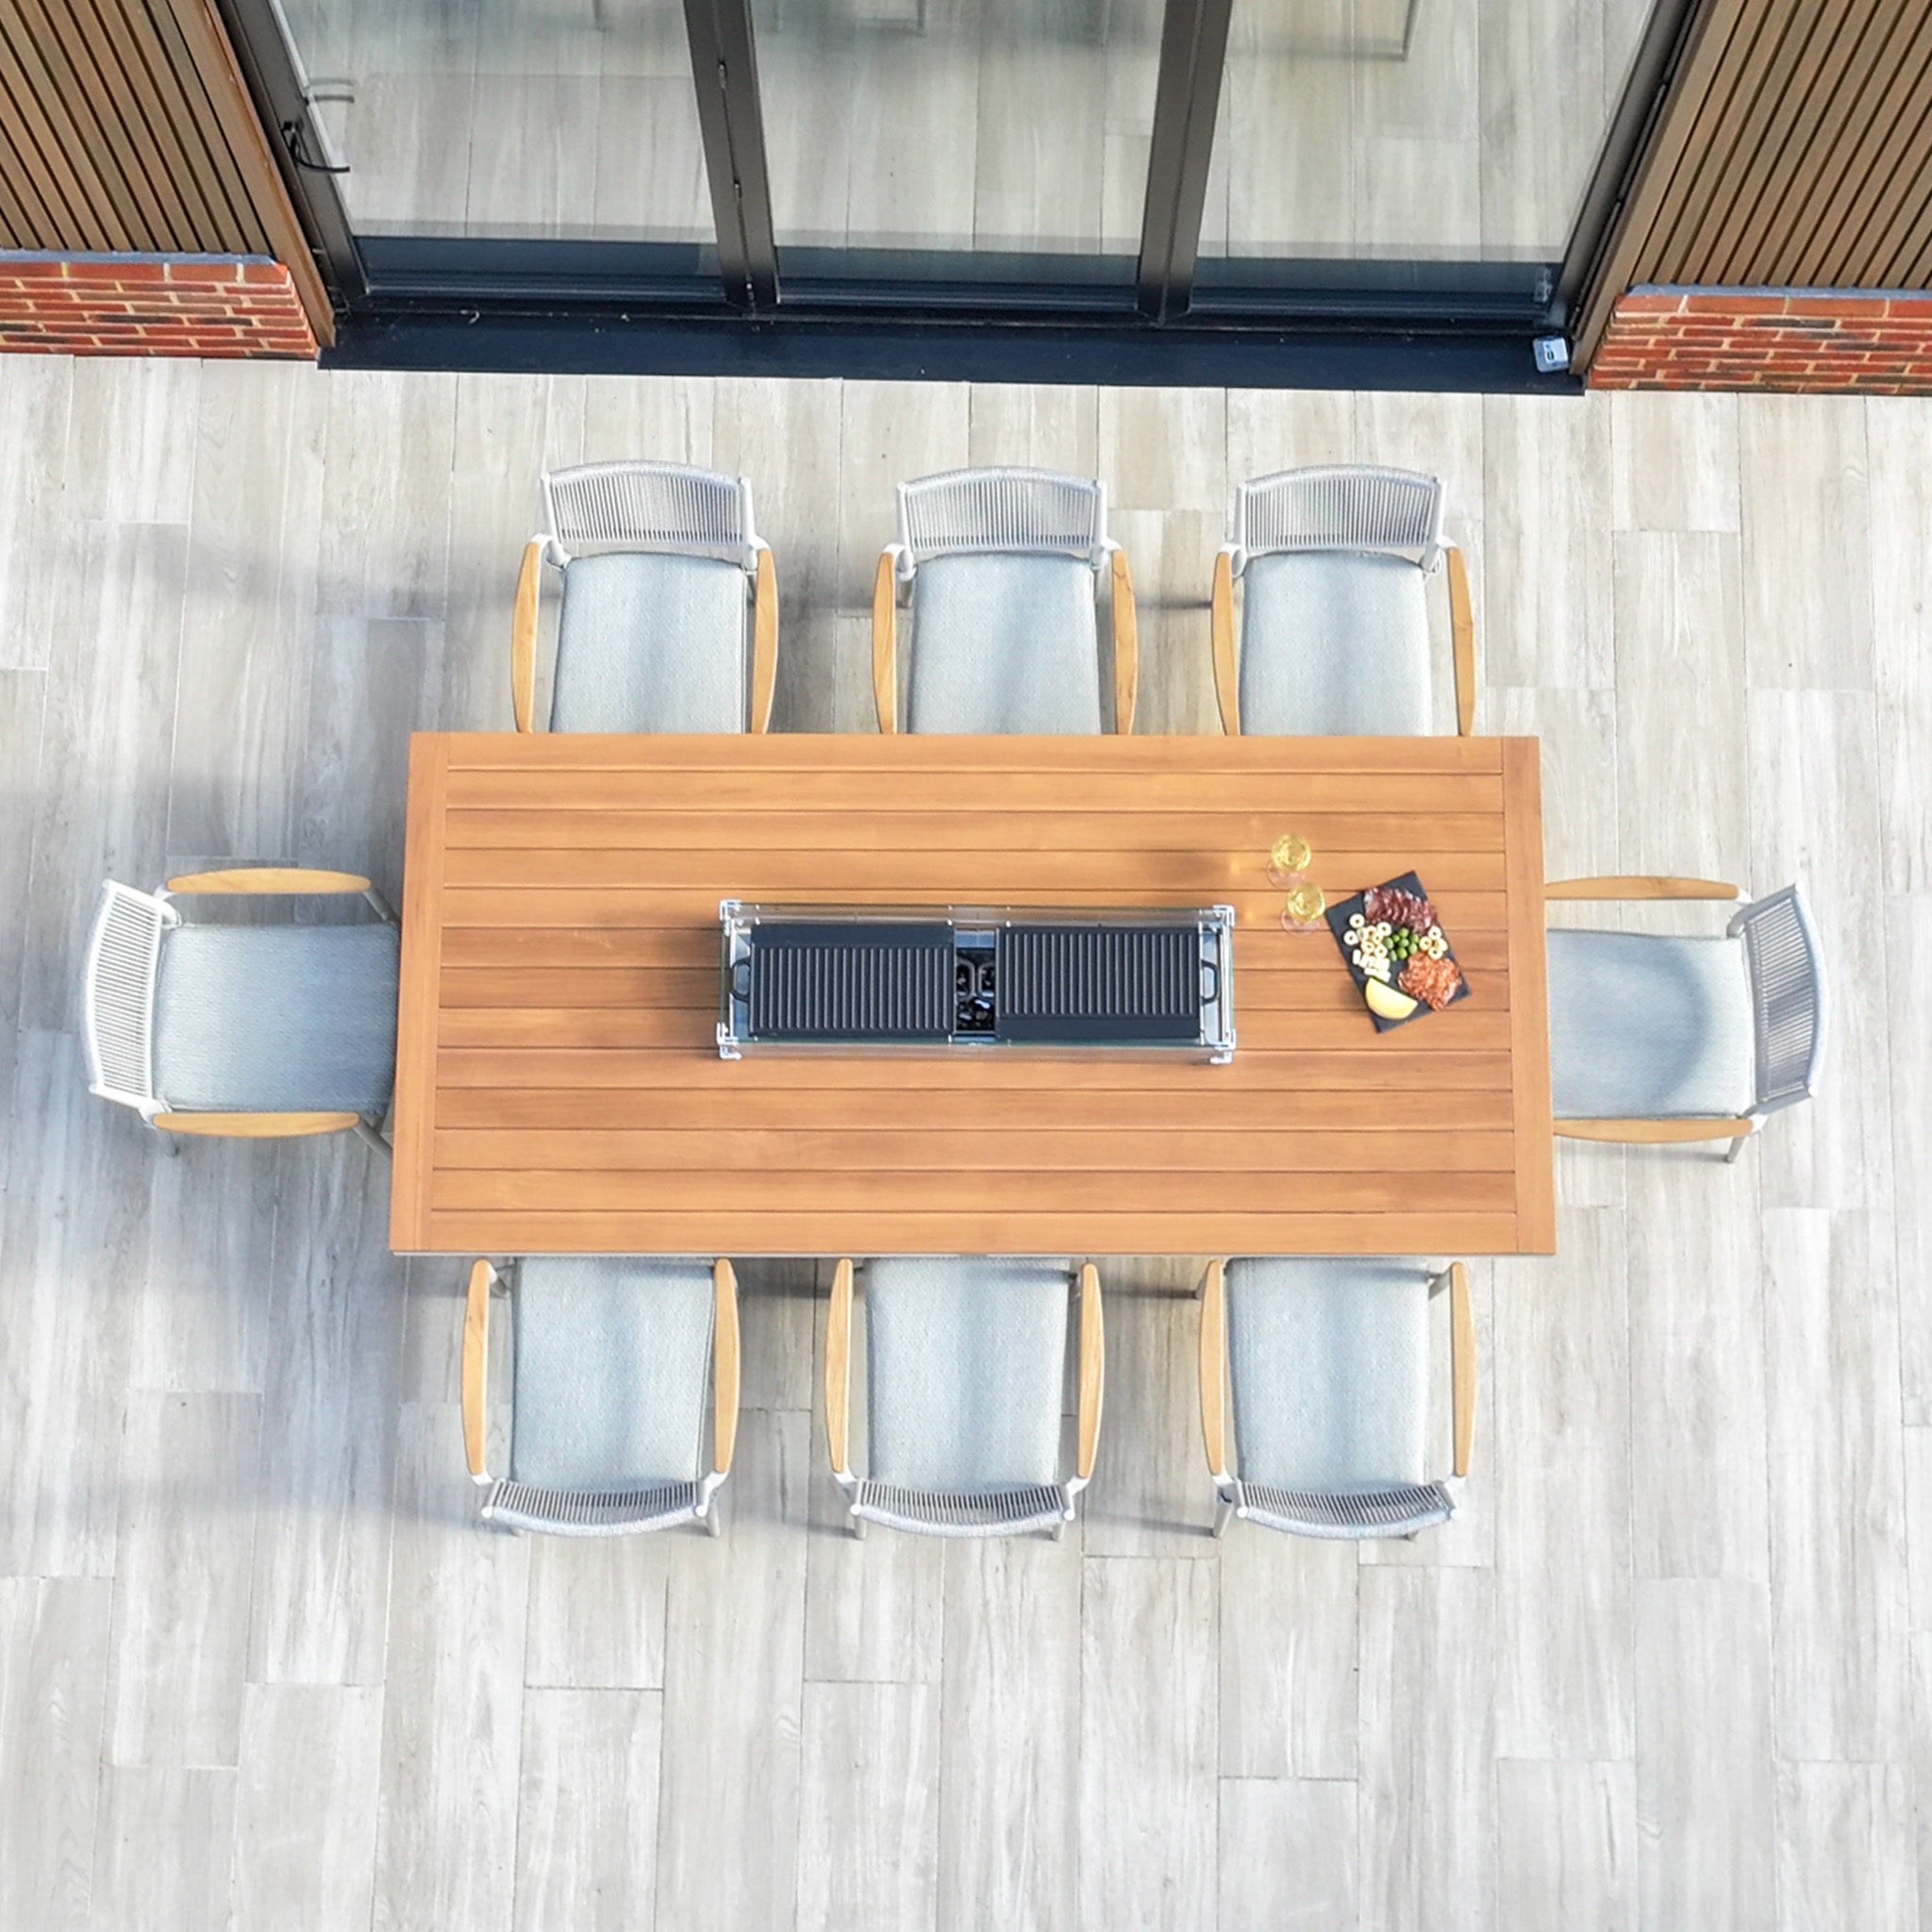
[[523, 636], [1092, 1368], [1461, 1365], [885, 643], [1227, 685], [724, 1366], [764, 645], [477, 1366], [1214, 1368], [1641, 1133], [838, 1370], [1639, 886], [1462, 640], [1126, 646], [240, 879], [256, 1126]]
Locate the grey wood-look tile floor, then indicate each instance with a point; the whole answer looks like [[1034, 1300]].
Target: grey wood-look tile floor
[[258, 1666]]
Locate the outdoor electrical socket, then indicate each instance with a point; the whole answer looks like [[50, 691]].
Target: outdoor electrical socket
[[1551, 355]]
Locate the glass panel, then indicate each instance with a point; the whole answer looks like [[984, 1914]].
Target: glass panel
[[510, 118], [1459, 130], [910, 128]]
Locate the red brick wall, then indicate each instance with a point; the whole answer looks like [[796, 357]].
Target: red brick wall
[[1774, 339], [151, 304]]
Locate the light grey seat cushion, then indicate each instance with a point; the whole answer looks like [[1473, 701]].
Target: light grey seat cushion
[[275, 1018], [1334, 642], [650, 642], [965, 1368], [1004, 641], [613, 1356], [1328, 1363], [1644, 1026]]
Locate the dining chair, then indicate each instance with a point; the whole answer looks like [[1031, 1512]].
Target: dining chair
[[1657, 1038], [1323, 1364], [965, 1365], [611, 1356], [1002, 569], [251, 1030], [670, 616], [1334, 635]]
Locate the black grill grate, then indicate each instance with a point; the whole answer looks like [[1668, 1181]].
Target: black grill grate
[[1112, 982], [976, 980], [831, 983]]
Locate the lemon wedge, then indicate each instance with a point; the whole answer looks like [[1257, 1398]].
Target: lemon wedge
[[1389, 1002]]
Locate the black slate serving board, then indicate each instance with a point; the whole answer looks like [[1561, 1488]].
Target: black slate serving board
[[1339, 916]]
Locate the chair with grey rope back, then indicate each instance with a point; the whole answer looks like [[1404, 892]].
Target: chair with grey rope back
[[1659, 1038], [247, 1031], [1002, 568], [965, 1365], [1322, 1365], [1333, 633], [613, 1356], [670, 616]]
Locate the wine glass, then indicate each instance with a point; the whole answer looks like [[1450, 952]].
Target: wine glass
[[1288, 858], [1302, 910]]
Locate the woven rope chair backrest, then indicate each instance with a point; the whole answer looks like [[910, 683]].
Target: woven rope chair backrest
[[664, 506], [1398, 1510], [1340, 506], [119, 1003], [1786, 996], [964, 512], [591, 1512], [948, 1512]]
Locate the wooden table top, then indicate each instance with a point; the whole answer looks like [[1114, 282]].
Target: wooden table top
[[558, 1088]]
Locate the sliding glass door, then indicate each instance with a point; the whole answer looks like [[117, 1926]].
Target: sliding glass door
[[1176, 161], [1396, 146], [939, 143]]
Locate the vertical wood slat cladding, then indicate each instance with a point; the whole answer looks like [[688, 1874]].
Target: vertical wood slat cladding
[[149, 200], [1792, 150], [166, 130], [1840, 199], [126, 128], [37, 121]]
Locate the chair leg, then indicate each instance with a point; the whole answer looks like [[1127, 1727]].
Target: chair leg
[[1737, 1148], [714, 1518], [1224, 1515], [855, 1523], [371, 1138]]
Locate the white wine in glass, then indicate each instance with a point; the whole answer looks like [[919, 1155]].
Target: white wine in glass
[[1304, 906], [1288, 857]]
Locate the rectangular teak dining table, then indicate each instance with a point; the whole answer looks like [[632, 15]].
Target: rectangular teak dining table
[[558, 1088]]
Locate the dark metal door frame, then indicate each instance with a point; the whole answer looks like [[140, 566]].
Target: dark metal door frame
[[1193, 53], [723, 65], [272, 64], [1659, 54]]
